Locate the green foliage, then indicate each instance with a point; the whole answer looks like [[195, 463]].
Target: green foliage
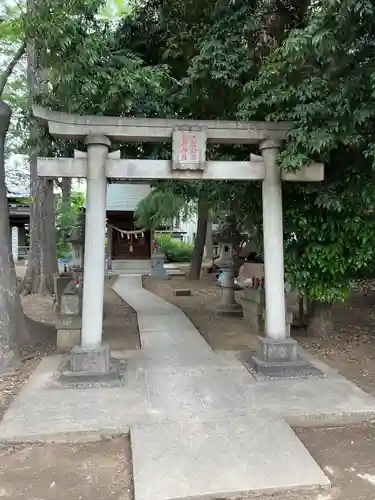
[[12, 22], [85, 66], [175, 251], [160, 206], [321, 79], [311, 63], [290, 60], [67, 216]]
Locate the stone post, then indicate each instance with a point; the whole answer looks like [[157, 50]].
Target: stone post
[[94, 254], [157, 264], [68, 326], [273, 243], [277, 352]]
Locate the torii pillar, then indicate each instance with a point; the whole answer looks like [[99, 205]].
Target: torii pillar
[[277, 353], [92, 356]]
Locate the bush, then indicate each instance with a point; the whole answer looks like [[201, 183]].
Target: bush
[[175, 251]]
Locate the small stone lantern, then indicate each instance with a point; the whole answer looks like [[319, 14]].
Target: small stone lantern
[[229, 238]]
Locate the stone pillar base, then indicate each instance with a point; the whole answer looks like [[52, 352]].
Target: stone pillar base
[[279, 358], [95, 360], [91, 367], [233, 309]]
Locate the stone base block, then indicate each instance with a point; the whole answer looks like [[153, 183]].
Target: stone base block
[[276, 351], [89, 367], [94, 360], [286, 369], [67, 339], [278, 359], [67, 379], [233, 309]]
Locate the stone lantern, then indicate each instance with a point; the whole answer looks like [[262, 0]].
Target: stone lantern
[[229, 238]]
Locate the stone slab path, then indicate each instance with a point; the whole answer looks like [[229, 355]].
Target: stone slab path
[[200, 424], [211, 454]]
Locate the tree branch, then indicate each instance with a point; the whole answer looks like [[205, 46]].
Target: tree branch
[[9, 69]]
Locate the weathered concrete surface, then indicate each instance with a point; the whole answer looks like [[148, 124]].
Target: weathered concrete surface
[[176, 381], [178, 460]]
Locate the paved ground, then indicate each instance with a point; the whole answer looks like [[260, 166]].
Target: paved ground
[[177, 380], [119, 318], [350, 348]]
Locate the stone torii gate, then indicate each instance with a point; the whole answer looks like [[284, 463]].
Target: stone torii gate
[[188, 162]]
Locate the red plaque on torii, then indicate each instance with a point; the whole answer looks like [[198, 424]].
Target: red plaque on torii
[[189, 149]]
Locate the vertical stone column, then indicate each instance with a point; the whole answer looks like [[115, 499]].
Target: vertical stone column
[[277, 352], [273, 243], [94, 255]]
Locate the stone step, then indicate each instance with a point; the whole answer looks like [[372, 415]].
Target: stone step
[[221, 458]]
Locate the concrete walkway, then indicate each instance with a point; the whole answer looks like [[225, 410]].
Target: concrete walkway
[[200, 424]]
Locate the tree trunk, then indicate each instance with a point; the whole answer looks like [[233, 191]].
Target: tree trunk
[[66, 187], [319, 319], [209, 251], [12, 321], [42, 259], [196, 260]]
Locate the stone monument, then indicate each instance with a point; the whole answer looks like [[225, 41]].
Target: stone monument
[[157, 264], [253, 303], [68, 327]]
